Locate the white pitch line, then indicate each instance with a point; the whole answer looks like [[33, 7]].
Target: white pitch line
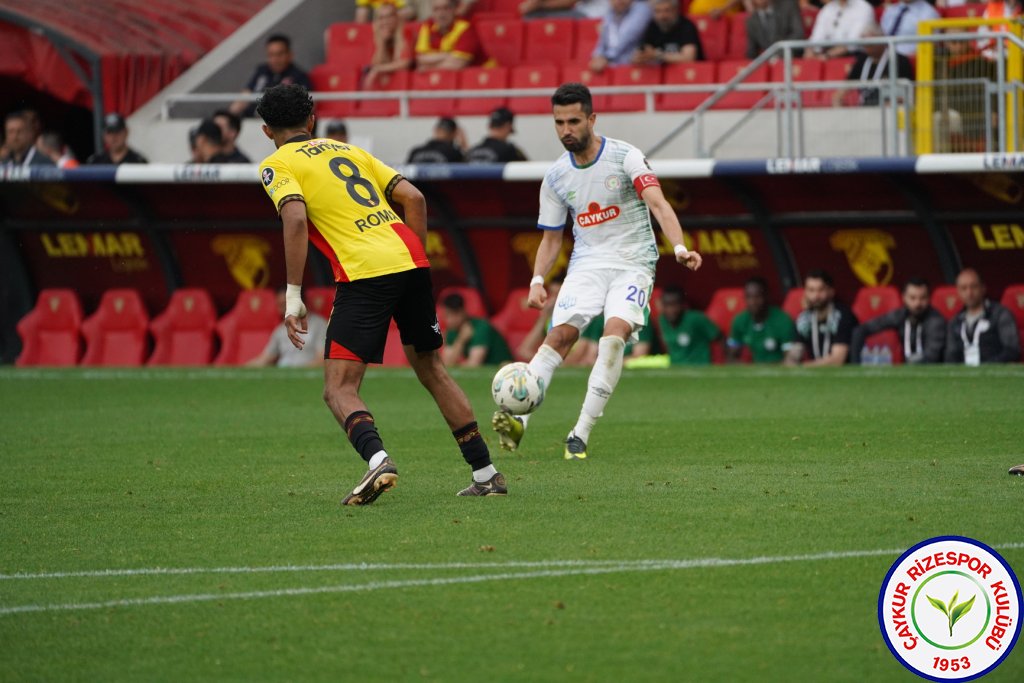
[[577, 568]]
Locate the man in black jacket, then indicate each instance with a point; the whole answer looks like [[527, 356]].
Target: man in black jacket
[[496, 148], [442, 148], [984, 331], [921, 329]]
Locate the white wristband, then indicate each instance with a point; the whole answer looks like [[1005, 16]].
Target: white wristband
[[293, 301], [537, 280], [680, 250]]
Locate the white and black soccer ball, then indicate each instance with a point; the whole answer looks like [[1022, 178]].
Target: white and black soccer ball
[[517, 389]]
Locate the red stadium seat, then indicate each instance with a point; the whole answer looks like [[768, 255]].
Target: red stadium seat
[[334, 78], [587, 33], [349, 44], [502, 40], [631, 75], [1013, 298], [686, 74], [516, 319], [245, 330], [971, 10], [872, 302], [834, 70], [804, 70], [116, 334], [51, 332], [481, 79], [504, 6], [539, 76], [438, 79], [184, 331], [394, 353], [793, 304], [320, 300], [714, 36], [725, 305], [390, 82], [742, 99], [576, 73], [475, 307], [946, 301], [737, 36], [549, 41]]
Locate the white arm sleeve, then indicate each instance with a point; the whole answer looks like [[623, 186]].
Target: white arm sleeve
[[552, 210]]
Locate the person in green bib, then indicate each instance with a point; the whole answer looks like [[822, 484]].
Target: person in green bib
[[686, 334], [470, 341], [766, 330]]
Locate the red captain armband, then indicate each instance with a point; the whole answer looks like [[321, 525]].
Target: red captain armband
[[642, 182]]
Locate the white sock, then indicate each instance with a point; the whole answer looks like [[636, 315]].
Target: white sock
[[484, 473], [377, 458], [544, 364], [601, 384]]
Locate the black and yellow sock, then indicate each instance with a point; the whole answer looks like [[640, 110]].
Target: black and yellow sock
[[362, 432], [473, 446]]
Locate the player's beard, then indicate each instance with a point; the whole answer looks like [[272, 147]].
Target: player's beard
[[577, 145]]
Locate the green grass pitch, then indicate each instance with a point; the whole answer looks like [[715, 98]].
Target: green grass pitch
[[570, 578]]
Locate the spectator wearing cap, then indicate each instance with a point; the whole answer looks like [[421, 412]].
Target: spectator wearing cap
[[19, 147], [210, 144], [51, 144], [495, 148], [621, 32], [444, 148], [279, 68], [336, 130], [230, 126], [115, 143]]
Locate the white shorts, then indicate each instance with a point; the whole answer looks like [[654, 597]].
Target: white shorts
[[587, 294]]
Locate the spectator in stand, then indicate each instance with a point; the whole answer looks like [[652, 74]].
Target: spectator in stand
[[840, 20], [470, 341], [19, 148], [337, 130], [115, 143], [670, 38], [390, 51], [621, 31], [764, 329], [403, 10], [279, 68], [281, 352], [210, 144], [824, 329], [871, 70], [569, 9], [496, 148], [230, 126], [983, 331], [51, 145], [445, 41], [686, 334], [445, 147], [921, 328], [901, 18], [194, 157], [771, 21]]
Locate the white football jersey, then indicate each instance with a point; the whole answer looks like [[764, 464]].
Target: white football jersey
[[611, 224]]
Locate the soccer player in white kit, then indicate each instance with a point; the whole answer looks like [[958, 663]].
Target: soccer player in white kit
[[607, 189]]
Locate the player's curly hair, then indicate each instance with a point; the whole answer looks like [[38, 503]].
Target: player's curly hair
[[285, 106]]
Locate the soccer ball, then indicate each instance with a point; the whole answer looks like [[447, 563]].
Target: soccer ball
[[517, 389]]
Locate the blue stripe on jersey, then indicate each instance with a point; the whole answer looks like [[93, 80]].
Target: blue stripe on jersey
[[551, 227]]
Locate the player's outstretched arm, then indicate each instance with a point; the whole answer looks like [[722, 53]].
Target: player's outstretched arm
[[296, 244], [414, 207], [547, 253], [669, 222]]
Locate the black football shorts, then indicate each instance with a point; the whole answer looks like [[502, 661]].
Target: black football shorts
[[363, 309]]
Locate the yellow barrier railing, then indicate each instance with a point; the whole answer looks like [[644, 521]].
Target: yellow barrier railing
[[925, 91]]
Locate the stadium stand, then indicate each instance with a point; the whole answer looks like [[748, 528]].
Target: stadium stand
[[394, 354], [1013, 299], [804, 70], [319, 300], [516, 319], [946, 301], [741, 100], [698, 73], [389, 82], [478, 78], [872, 302], [245, 329], [51, 332], [502, 40], [539, 76], [183, 333], [475, 306], [550, 41], [335, 78], [348, 43], [434, 80], [117, 333], [631, 75], [794, 302], [725, 305], [714, 37]]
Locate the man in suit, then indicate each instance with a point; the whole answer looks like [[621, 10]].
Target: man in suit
[[772, 21]]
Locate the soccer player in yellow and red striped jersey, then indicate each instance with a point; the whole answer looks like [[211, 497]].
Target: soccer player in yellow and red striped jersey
[[340, 197]]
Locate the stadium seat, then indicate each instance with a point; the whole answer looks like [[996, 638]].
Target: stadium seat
[[394, 354], [971, 10], [686, 74], [588, 31], [183, 333], [1013, 299], [438, 79], [539, 76], [116, 334], [502, 40], [504, 6], [245, 330], [475, 307], [577, 73], [804, 70], [481, 79], [725, 305], [742, 99], [872, 302], [516, 319], [320, 300], [348, 44], [793, 304], [631, 75], [334, 78], [714, 36], [946, 301], [51, 332], [834, 70], [549, 41], [391, 82], [737, 48]]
